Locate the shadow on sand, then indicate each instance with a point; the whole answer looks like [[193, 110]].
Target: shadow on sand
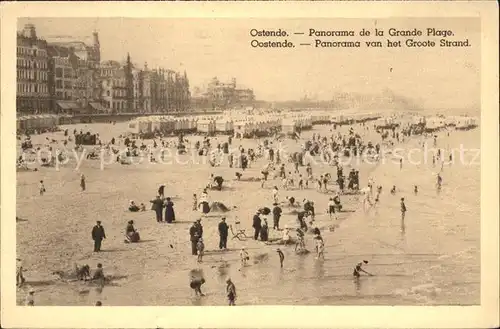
[[144, 241], [112, 250], [182, 222], [39, 283]]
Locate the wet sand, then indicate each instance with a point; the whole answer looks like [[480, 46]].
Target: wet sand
[[418, 267]]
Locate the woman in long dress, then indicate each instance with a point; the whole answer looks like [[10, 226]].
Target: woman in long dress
[[169, 211], [204, 207]]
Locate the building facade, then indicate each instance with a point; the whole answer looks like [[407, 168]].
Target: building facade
[[226, 94], [114, 87], [73, 74], [62, 75], [32, 73]]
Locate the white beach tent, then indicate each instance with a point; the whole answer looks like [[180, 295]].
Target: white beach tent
[[224, 125], [288, 126], [434, 123], [205, 126]]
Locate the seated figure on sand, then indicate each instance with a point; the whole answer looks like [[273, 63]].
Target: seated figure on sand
[[82, 272], [133, 207], [98, 275], [285, 240], [131, 233]]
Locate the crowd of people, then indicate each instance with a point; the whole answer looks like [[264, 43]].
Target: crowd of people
[[286, 173]]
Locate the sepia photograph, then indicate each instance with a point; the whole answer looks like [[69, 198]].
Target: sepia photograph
[[237, 161]]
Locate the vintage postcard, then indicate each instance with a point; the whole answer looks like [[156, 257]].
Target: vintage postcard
[[242, 165]]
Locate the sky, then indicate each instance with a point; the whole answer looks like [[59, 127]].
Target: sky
[[205, 48]]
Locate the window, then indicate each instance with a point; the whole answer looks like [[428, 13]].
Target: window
[[59, 72], [59, 84], [108, 93]]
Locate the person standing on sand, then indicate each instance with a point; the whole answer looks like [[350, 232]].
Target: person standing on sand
[[264, 231], [275, 194], [403, 208], [276, 216], [199, 227], [195, 202], [169, 211], [231, 292], [98, 235], [161, 191], [82, 182], [200, 248], [223, 233], [256, 225], [157, 206], [194, 236], [331, 208]]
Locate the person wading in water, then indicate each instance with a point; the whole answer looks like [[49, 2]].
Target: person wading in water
[[281, 255], [231, 292]]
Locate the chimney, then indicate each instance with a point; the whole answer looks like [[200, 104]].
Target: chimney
[[145, 66]]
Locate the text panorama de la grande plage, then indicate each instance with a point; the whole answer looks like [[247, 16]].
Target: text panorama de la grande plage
[[370, 38]]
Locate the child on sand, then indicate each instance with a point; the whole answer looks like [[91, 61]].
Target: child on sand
[[281, 255], [331, 208], [320, 247], [200, 247], [195, 202], [403, 208], [243, 257]]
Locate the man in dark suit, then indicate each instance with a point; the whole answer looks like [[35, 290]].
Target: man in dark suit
[[256, 225], [194, 233], [98, 235], [276, 216], [223, 232]]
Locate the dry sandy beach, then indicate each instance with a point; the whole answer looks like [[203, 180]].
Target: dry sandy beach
[[434, 259]]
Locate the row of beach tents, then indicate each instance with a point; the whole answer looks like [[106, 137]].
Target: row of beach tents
[[431, 123], [228, 123], [37, 121]]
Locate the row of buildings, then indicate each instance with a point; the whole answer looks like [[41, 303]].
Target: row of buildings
[[67, 76]]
